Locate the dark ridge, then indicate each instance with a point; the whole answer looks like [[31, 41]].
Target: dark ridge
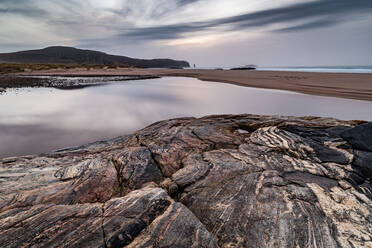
[[71, 55]]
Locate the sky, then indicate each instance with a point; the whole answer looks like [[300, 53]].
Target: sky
[[208, 33]]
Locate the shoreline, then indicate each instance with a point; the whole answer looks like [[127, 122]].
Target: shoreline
[[343, 85]]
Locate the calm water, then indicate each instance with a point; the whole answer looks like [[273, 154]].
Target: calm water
[[43, 119]]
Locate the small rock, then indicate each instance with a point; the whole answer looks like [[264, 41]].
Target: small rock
[[344, 185], [241, 131], [360, 137], [8, 160], [166, 183], [173, 188], [364, 161]]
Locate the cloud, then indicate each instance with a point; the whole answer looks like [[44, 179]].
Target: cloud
[[188, 29], [309, 25], [129, 17], [308, 15], [186, 2], [23, 12], [21, 7], [165, 32], [147, 9]]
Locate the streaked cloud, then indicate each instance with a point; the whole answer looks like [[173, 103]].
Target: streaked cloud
[[307, 15], [144, 24]]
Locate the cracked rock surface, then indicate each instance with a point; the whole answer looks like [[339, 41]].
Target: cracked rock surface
[[216, 181]]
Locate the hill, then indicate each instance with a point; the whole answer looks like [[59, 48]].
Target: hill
[[70, 55]]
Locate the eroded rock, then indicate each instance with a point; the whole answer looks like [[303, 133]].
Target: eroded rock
[[217, 181]]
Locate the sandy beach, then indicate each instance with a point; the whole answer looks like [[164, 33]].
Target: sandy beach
[[344, 85]]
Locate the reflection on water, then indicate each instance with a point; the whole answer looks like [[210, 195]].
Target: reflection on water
[[43, 119]]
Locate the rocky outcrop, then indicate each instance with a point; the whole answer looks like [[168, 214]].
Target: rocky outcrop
[[68, 83], [217, 181]]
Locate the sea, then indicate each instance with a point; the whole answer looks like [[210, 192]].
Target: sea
[[331, 69]]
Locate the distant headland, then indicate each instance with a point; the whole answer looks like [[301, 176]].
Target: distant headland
[[71, 55]]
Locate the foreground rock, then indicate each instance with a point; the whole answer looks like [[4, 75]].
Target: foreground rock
[[218, 181]]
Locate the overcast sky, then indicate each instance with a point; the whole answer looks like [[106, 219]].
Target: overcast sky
[[204, 32]]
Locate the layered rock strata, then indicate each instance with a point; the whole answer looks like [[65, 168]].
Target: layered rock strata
[[217, 181]]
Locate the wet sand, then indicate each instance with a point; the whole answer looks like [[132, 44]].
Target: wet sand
[[344, 85]]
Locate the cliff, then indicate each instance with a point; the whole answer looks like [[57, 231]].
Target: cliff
[[217, 181]]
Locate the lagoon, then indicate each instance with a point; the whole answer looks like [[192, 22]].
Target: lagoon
[[39, 120]]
